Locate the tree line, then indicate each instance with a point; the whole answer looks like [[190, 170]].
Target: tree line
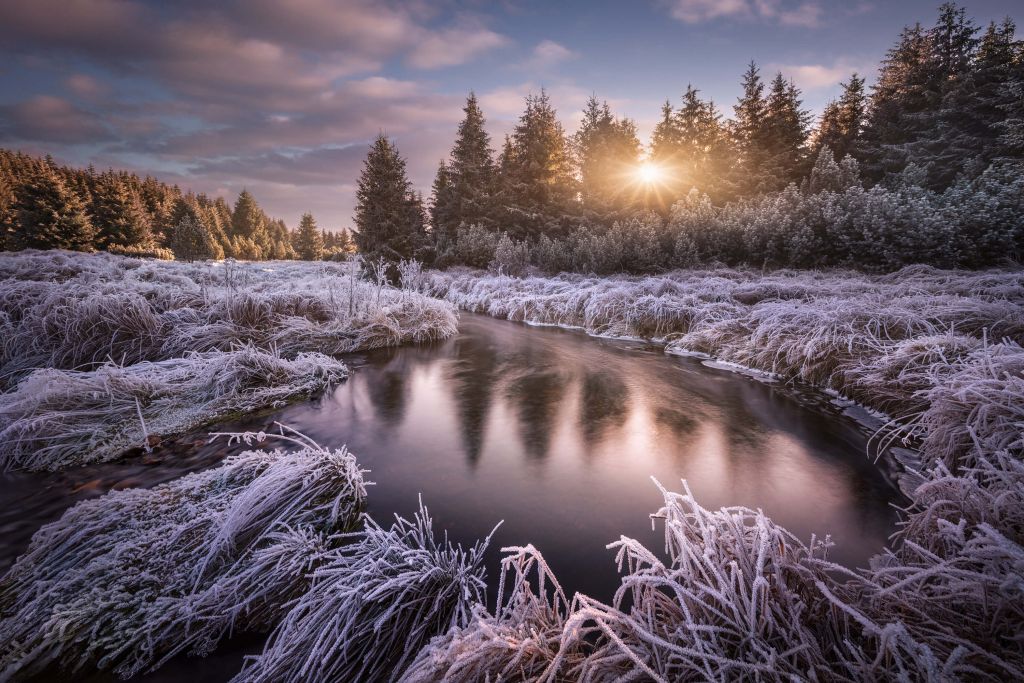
[[44, 205], [925, 166]]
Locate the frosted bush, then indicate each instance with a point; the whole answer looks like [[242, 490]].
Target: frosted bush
[[58, 418], [372, 605], [125, 581]]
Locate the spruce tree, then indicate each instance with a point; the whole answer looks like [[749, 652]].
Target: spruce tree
[[537, 174], [749, 132], [607, 153], [843, 120], [49, 215], [444, 209], [190, 240], [309, 244], [386, 226], [471, 171], [118, 214], [785, 130], [249, 223], [665, 138]]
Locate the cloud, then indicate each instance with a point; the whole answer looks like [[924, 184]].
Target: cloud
[[818, 76], [453, 46], [547, 53], [86, 86], [51, 119], [806, 14]]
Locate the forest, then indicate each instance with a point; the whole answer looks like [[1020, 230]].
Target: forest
[[922, 167]]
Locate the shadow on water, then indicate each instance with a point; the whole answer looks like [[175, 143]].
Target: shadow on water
[[555, 433]]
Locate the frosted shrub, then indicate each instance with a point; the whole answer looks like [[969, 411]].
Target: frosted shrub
[[511, 257], [128, 580], [475, 246], [372, 605], [58, 418]]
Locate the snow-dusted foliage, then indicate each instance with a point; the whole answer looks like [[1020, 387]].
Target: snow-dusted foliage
[[58, 418], [64, 310], [109, 349], [125, 581], [372, 605], [519, 642], [740, 598]]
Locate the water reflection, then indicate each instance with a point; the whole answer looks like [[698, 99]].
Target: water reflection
[[559, 435], [555, 433]]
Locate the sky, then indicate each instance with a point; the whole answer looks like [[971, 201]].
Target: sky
[[284, 97]]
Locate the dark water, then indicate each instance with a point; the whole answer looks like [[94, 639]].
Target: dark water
[[558, 435]]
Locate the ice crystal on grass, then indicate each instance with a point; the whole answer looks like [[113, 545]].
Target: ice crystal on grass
[[61, 310], [372, 605], [57, 418], [125, 581]]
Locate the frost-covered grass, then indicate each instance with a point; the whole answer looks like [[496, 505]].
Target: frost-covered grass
[[73, 311], [59, 418], [372, 606], [740, 598], [128, 580], [107, 348]]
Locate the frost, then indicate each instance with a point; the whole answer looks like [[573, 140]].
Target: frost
[[741, 598], [128, 580], [62, 310], [372, 606], [58, 418], [99, 351]]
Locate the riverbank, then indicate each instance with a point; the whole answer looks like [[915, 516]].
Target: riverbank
[[103, 353], [937, 350]]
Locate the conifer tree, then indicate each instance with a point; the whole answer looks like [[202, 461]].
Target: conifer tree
[[607, 154], [665, 138], [309, 244], [749, 132], [471, 171], [843, 120], [49, 215], [248, 222], [444, 209], [785, 130], [537, 175], [118, 214], [385, 220], [190, 240]]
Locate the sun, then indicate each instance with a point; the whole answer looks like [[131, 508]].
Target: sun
[[649, 173]]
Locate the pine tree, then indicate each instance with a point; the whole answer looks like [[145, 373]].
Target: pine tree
[[248, 222], [385, 222], [607, 153], [537, 175], [843, 120], [471, 171], [309, 245], [49, 215], [118, 213], [444, 209]]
